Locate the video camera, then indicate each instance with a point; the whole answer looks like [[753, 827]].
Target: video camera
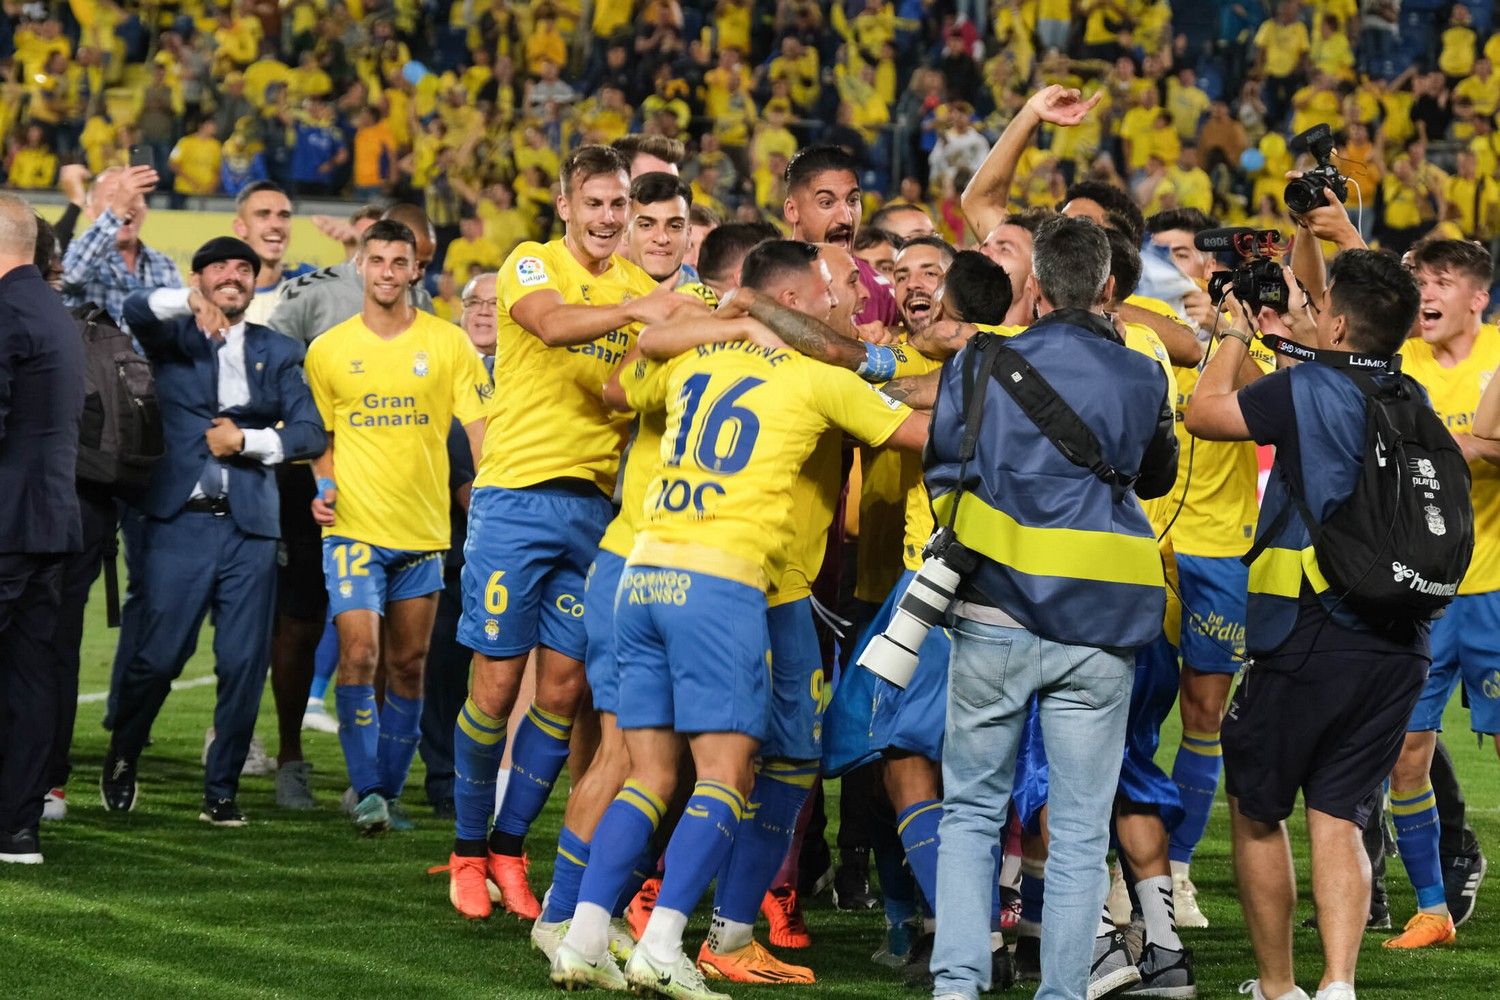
[[1305, 193], [1257, 279]]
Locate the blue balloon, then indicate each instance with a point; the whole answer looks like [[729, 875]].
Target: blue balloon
[[414, 72], [1251, 160]]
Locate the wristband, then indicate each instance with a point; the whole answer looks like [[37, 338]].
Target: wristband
[[1234, 334], [326, 485], [879, 364]]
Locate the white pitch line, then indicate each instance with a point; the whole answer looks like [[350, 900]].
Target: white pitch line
[[94, 697]]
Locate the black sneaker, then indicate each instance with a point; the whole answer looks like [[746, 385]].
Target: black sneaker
[[918, 972], [20, 848], [1113, 971], [1461, 880], [1002, 971], [851, 887], [1164, 974], [1028, 959], [222, 812], [117, 784]]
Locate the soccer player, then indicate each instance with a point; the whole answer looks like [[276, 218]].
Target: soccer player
[[657, 235], [568, 313], [1453, 355], [389, 383], [690, 612], [263, 219]]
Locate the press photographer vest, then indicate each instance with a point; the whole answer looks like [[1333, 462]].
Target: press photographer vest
[[1057, 552]]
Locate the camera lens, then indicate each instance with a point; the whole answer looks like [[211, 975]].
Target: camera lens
[[1302, 195]]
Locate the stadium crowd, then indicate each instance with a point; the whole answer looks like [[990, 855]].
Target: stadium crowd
[[616, 442]]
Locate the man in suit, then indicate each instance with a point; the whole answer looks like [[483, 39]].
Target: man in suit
[[212, 510], [41, 400]]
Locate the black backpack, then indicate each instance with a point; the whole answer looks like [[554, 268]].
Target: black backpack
[[120, 438], [1398, 547]]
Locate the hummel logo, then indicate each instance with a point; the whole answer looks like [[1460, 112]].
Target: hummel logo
[[357, 367]]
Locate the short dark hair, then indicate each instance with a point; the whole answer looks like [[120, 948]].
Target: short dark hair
[[886, 211], [873, 236], [1190, 220], [1115, 202], [702, 215], [776, 260], [1377, 296], [810, 161], [255, 188], [725, 247], [388, 231], [976, 289], [1461, 256], [1124, 264], [46, 245], [660, 146], [1070, 258], [590, 161], [657, 186], [1029, 218], [942, 246], [413, 217]]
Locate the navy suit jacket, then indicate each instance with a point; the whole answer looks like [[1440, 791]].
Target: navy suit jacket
[[41, 403], [187, 387]]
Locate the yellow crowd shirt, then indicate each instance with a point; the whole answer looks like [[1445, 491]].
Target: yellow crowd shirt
[[1283, 45], [1455, 394], [388, 405], [549, 420], [742, 420]]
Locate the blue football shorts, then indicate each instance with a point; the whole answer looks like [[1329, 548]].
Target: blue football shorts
[[798, 693], [364, 577], [1465, 646], [599, 663], [1214, 591]]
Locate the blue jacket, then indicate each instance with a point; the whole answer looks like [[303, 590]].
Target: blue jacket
[[41, 403], [187, 388], [1058, 552]]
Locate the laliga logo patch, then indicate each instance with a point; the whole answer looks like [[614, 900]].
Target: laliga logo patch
[[491, 629], [1435, 523], [419, 364], [530, 271]]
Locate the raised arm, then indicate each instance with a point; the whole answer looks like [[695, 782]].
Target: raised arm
[[555, 323]]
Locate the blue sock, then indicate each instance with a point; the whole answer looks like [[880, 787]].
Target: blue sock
[[898, 891], [645, 867], [567, 873], [763, 837], [1196, 774], [325, 662], [996, 907], [359, 733], [702, 840], [536, 758], [620, 838], [1416, 817], [478, 745], [1033, 887], [400, 727], [918, 828]]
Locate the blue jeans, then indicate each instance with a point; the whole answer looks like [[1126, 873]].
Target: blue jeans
[[1084, 696]]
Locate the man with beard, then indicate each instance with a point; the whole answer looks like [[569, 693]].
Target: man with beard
[[263, 219], [824, 205], [389, 382], [108, 261], [569, 311], [211, 511]]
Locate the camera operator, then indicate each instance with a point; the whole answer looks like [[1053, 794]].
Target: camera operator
[[1060, 594], [1324, 706]]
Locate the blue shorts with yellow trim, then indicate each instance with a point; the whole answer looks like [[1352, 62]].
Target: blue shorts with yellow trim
[[1465, 645], [525, 563], [599, 663], [1214, 591], [912, 719], [798, 694], [363, 577], [694, 653]]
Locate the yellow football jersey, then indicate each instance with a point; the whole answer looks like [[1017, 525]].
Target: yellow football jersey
[[815, 495], [742, 420], [549, 421], [388, 405], [1144, 339], [1455, 394]]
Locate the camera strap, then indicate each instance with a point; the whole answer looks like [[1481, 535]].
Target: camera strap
[[1374, 364], [978, 362]]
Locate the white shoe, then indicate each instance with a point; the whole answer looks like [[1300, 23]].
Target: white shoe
[[621, 941], [679, 980], [55, 805], [546, 937], [571, 971], [258, 763], [1185, 899], [1118, 902], [317, 719], [1251, 988], [1336, 991]]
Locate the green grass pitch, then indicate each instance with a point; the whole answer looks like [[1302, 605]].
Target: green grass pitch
[[156, 904]]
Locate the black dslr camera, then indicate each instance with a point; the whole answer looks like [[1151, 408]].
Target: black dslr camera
[[1305, 193], [1256, 279]]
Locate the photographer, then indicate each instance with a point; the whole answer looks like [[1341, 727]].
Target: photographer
[[1059, 595], [1325, 704]]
